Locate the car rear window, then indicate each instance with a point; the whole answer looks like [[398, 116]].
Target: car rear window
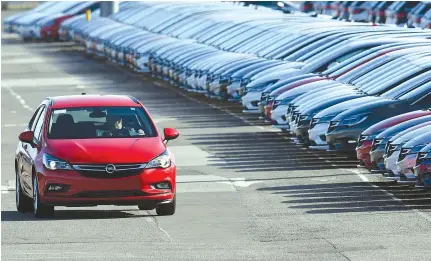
[[100, 122]]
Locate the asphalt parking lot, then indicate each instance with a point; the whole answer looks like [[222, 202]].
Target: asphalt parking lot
[[245, 192]]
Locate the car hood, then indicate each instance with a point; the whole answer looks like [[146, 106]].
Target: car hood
[[313, 97], [31, 18], [410, 131], [279, 74], [410, 135], [422, 139], [340, 107], [106, 150], [395, 120], [299, 83], [323, 104], [17, 16], [50, 17], [404, 126], [427, 148], [384, 107]]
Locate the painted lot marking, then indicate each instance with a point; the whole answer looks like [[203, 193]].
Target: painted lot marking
[[210, 183], [9, 125], [17, 96], [58, 81]]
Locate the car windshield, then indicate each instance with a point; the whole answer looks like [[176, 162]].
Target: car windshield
[[100, 122]]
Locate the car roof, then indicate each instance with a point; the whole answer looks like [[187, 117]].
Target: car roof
[[84, 100]]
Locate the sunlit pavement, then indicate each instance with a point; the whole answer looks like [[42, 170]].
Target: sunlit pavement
[[244, 191]]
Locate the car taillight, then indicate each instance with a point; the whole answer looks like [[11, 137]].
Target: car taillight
[[382, 13], [400, 15], [418, 20], [356, 11]]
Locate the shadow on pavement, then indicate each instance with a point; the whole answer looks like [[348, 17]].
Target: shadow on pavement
[[265, 151], [352, 197], [73, 214]]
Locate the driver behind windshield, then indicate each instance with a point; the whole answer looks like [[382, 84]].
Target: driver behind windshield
[[114, 127]]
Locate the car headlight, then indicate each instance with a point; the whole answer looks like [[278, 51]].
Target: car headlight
[[328, 117], [355, 120], [162, 161], [53, 163]]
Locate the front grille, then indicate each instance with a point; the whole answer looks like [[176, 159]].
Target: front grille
[[100, 170], [110, 194]]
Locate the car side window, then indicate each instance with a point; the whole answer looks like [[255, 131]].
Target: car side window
[[34, 118], [39, 125]]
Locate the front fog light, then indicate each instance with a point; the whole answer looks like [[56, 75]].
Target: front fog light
[[57, 188], [162, 185]]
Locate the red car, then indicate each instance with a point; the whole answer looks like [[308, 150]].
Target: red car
[[88, 150]]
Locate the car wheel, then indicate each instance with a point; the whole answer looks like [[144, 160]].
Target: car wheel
[[40, 209], [23, 203], [166, 209]]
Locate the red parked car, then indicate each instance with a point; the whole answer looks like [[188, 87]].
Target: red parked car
[[88, 150], [365, 141]]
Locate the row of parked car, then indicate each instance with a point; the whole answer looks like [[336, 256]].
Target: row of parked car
[[335, 86], [400, 13]]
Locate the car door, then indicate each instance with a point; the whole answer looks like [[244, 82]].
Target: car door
[[22, 153], [31, 151]]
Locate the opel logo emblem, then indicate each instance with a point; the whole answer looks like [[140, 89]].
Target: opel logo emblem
[[110, 168]]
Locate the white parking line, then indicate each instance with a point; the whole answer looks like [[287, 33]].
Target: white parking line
[[391, 195], [9, 125], [18, 97]]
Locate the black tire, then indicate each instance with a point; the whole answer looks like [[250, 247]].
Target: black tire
[[40, 209], [166, 209], [24, 203]]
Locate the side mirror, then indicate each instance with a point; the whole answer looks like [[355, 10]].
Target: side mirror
[[170, 134], [26, 136]]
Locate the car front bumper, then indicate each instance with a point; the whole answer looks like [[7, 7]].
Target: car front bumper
[[317, 134], [130, 190], [406, 166], [391, 162], [363, 153]]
